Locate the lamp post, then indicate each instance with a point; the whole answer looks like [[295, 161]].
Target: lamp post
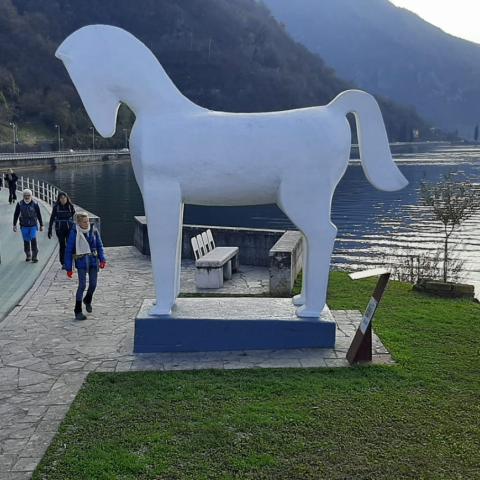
[[93, 138], [125, 131], [59, 139], [14, 130]]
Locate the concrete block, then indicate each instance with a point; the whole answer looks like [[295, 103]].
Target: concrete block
[[286, 259], [209, 277], [235, 323], [446, 289], [227, 270]]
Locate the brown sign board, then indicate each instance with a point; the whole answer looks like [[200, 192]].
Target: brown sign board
[[361, 347]]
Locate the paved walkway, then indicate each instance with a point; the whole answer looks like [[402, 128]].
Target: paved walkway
[[16, 275], [45, 355]]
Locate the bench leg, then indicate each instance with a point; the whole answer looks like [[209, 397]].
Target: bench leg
[[236, 263], [227, 270], [209, 277]]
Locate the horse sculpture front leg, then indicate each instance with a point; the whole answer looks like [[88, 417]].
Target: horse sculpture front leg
[[164, 212]]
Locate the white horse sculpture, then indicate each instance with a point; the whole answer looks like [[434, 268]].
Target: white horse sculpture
[[183, 153]]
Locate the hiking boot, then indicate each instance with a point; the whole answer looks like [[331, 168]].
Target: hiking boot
[[88, 307], [80, 316]]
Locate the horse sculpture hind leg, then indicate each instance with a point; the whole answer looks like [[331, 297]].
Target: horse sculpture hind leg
[[164, 208], [308, 207]]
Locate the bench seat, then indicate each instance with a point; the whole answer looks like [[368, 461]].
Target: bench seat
[[216, 266], [217, 257]]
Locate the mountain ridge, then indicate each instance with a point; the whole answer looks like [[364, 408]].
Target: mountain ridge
[[222, 54], [391, 51]]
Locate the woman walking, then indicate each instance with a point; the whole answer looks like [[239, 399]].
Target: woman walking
[[85, 247], [62, 218], [11, 180], [28, 211]]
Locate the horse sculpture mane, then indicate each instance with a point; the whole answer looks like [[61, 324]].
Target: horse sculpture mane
[[183, 153]]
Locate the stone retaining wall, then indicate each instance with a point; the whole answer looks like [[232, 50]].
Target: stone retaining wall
[[254, 243]]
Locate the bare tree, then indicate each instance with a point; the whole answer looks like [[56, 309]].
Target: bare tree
[[451, 202]]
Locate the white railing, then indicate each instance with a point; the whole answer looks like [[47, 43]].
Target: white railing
[[41, 190], [47, 193]]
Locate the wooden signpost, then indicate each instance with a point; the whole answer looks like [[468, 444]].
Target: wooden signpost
[[361, 348]]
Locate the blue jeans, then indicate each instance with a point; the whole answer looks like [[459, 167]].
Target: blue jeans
[[82, 283], [29, 233]]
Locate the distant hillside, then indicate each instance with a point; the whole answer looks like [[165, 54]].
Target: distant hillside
[[392, 52], [223, 54]]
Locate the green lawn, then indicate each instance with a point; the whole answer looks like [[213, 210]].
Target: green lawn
[[419, 419]]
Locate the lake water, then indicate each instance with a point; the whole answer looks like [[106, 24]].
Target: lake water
[[372, 225]]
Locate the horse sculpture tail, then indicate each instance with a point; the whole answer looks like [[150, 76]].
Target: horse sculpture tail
[[375, 155]]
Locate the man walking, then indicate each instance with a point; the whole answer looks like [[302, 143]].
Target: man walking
[[28, 211]]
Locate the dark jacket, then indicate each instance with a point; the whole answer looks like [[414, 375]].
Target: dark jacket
[[96, 246], [11, 180], [62, 217], [29, 214]]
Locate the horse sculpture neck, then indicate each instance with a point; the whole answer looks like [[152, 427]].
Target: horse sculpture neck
[[108, 66], [142, 83]]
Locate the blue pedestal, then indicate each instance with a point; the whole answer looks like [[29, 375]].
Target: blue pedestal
[[219, 324]]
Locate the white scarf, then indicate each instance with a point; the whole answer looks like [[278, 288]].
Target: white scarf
[[82, 247]]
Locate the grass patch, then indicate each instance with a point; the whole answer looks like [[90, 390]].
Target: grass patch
[[419, 419]]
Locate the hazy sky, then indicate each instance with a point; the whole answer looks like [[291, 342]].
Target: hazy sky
[[458, 17]]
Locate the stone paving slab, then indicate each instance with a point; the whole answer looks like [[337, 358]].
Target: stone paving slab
[[45, 355]]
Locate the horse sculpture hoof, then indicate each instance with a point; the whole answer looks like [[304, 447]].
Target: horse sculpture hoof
[[303, 312], [298, 300], [159, 311]]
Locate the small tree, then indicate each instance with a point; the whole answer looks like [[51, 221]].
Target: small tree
[[451, 203]]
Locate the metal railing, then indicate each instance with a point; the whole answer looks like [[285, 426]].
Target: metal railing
[[63, 153], [41, 190], [47, 193]]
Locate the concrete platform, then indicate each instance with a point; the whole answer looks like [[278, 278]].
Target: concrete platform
[[241, 323]]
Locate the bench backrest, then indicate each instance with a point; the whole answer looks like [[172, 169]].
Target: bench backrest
[[210, 239], [196, 249], [206, 243], [202, 244]]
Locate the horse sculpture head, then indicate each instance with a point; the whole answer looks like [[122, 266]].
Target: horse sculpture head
[[108, 66], [82, 54]]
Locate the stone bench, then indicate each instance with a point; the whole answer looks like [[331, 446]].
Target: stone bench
[[213, 264]]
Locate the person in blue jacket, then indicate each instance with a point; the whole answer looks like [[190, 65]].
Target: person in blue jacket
[[85, 249]]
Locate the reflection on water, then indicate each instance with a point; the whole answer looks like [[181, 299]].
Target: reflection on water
[[371, 223]]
